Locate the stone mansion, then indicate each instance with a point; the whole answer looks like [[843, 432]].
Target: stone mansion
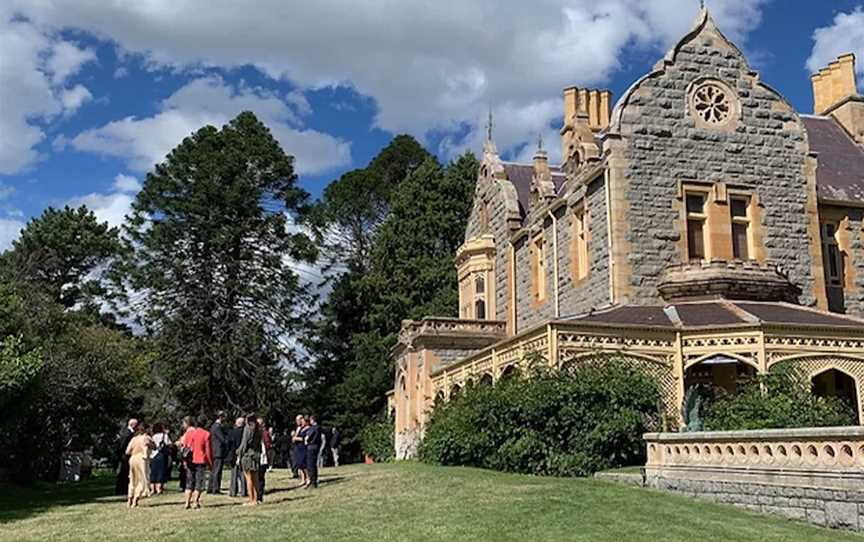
[[702, 230]]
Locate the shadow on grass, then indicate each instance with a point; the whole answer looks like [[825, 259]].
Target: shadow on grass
[[17, 503]]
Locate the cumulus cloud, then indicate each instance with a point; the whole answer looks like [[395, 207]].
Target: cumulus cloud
[[429, 66], [143, 142], [74, 98], [9, 231], [844, 35], [126, 184], [34, 69]]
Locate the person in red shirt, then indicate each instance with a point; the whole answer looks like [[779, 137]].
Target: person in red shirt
[[196, 445]]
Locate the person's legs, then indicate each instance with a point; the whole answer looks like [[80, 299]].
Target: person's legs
[[251, 485], [335, 452], [262, 475], [312, 466], [198, 488], [122, 482], [215, 485]]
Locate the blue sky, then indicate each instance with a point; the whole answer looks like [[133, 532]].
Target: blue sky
[[95, 91]]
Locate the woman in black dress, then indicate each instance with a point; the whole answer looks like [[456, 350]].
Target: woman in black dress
[[298, 438], [160, 459]]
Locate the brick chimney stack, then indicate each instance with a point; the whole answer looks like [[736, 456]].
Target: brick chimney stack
[[835, 93]]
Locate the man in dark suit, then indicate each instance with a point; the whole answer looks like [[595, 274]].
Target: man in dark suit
[[237, 485], [219, 445], [122, 485], [313, 446]]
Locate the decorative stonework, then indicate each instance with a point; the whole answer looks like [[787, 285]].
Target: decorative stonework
[[712, 105], [809, 474], [745, 280]]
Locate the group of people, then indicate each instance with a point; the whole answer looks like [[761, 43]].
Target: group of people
[[147, 455]]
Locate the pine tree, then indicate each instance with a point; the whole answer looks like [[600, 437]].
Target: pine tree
[[208, 265], [61, 252]]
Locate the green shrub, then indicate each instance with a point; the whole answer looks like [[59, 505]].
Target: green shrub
[[773, 401], [377, 439], [563, 423]]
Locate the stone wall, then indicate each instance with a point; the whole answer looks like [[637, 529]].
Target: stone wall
[[811, 474], [574, 296], [490, 215], [762, 150], [841, 509], [578, 297]]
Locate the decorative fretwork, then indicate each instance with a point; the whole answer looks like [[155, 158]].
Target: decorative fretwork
[[811, 366], [712, 104], [601, 342], [779, 348], [659, 370]]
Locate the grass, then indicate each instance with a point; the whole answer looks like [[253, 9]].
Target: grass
[[397, 502]]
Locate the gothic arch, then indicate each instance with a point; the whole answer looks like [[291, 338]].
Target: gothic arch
[[738, 357], [814, 365]]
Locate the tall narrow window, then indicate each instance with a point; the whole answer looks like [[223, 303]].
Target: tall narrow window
[[479, 285], [696, 217], [832, 261], [738, 207], [580, 248], [832, 255], [539, 267], [480, 309]]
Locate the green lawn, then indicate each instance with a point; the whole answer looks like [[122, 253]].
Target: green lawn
[[400, 502]]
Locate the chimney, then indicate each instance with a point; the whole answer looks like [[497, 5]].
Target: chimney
[[835, 93], [583, 108]]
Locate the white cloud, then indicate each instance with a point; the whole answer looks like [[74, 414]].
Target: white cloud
[[142, 142], [34, 68], [74, 97], [9, 231], [66, 59], [844, 35], [428, 65], [111, 208], [126, 184]]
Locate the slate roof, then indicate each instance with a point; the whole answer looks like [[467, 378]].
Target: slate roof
[[717, 313], [522, 174], [840, 175]]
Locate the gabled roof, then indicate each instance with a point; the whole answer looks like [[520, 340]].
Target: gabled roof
[[840, 174], [522, 174]]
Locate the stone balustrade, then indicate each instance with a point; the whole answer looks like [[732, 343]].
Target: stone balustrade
[[450, 326], [812, 474]]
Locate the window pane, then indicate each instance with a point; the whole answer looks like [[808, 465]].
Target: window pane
[[829, 231], [833, 262], [739, 208], [479, 285], [695, 203], [695, 240], [739, 242], [480, 310]]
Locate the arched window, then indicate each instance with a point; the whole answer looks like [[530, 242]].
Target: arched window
[[486, 380], [480, 309], [479, 285]]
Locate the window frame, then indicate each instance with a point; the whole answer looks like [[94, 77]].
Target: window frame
[[581, 237], [538, 266], [702, 217], [746, 221]]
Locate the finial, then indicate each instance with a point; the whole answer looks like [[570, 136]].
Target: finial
[[489, 126], [702, 4], [539, 141]]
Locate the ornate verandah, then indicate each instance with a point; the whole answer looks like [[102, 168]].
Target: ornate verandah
[[679, 344]]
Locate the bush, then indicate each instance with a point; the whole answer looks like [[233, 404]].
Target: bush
[[777, 400], [377, 439], [553, 422]]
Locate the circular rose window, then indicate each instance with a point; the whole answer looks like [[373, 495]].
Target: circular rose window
[[712, 105]]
